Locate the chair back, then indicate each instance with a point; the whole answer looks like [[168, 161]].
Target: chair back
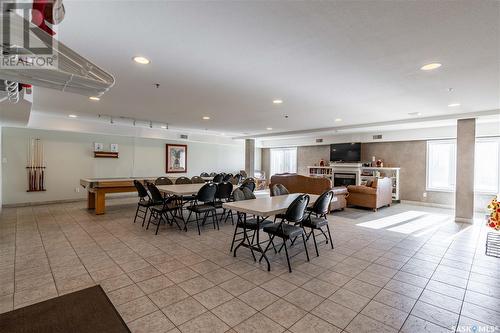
[[278, 189], [295, 212], [321, 205], [247, 193], [163, 181], [141, 190], [183, 180], [248, 184], [197, 180], [227, 177], [207, 193], [238, 195], [204, 174], [218, 178], [224, 190], [155, 193]]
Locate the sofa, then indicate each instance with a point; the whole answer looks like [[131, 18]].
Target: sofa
[[375, 194], [295, 183]]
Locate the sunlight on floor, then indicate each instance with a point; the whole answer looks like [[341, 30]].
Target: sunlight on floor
[[409, 222], [392, 220]]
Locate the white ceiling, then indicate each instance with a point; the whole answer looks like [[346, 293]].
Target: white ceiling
[[355, 60]]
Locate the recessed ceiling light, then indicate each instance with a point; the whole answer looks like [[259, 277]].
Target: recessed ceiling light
[[415, 114], [73, 116], [453, 105], [277, 101], [94, 98], [206, 118], [163, 126], [338, 120], [141, 60], [269, 128], [431, 66]]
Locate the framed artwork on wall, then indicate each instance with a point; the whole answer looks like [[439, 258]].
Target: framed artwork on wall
[[176, 158]]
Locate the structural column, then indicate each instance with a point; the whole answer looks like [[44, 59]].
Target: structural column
[[464, 193], [250, 157]]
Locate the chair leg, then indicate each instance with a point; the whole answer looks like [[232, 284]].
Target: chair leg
[[214, 217], [314, 240], [267, 247], [305, 247], [198, 224], [145, 215], [158, 225], [287, 258], [136, 212], [329, 235], [149, 221], [187, 221], [234, 237]]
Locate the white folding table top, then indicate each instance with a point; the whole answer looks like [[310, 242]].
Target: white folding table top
[[266, 206], [180, 189]]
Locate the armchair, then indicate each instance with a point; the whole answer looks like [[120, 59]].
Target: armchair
[[377, 195]]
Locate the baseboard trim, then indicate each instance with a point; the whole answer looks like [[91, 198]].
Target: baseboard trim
[[50, 202], [428, 204]]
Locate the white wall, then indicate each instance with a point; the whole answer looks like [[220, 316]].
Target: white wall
[[69, 157]]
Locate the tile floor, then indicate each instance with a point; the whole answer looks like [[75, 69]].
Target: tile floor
[[404, 268]]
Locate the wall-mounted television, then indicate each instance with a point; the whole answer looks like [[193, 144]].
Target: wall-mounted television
[[345, 152]]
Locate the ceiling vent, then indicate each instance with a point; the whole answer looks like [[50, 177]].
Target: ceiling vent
[[183, 136], [72, 72], [377, 137], [319, 140]]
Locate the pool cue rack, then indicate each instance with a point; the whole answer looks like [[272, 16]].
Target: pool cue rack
[[36, 166]]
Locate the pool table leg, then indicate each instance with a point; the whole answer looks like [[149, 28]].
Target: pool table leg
[[90, 200], [100, 199]]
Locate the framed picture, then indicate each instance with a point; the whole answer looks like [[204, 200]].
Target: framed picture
[[176, 158], [113, 147]]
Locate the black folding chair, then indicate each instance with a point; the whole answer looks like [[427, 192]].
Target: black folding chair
[[319, 220], [288, 231], [163, 181], [145, 202], [160, 211], [206, 195]]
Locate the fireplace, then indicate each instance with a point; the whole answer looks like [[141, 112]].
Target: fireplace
[[344, 179]]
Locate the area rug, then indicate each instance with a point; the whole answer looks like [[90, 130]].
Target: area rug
[[86, 310]]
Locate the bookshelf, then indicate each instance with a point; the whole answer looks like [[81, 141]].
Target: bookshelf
[[368, 173], [320, 171], [365, 174]]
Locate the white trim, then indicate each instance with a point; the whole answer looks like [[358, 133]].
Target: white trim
[[427, 204], [464, 220]]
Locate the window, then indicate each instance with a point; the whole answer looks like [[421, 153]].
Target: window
[[486, 163], [283, 160], [441, 165]]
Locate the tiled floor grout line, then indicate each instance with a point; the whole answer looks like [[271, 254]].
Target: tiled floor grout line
[[134, 239], [424, 288], [468, 277], [164, 274], [98, 282]]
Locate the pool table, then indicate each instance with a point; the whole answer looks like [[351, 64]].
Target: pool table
[[98, 187]]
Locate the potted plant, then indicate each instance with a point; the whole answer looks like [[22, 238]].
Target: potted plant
[[493, 218], [493, 221]]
